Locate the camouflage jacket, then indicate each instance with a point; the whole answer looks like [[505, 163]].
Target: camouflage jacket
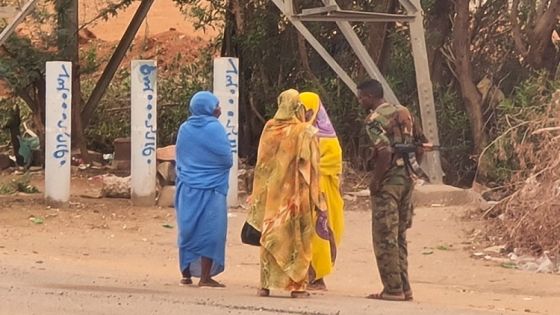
[[386, 126]]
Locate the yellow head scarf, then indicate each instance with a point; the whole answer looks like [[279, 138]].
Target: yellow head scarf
[[289, 106], [311, 101]]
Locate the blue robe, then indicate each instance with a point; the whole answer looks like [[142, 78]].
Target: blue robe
[[204, 159]]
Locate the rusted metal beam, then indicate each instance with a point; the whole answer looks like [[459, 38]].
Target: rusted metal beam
[[364, 56], [350, 16], [410, 6], [331, 12], [11, 27], [319, 10], [432, 161], [287, 9]]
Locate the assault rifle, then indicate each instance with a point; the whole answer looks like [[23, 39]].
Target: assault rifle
[[411, 148], [408, 154]]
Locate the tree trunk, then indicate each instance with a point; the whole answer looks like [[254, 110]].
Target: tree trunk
[[543, 54], [463, 68], [229, 48], [233, 33], [304, 57], [539, 51], [68, 44], [14, 125], [77, 105], [377, 34], [438, 30]]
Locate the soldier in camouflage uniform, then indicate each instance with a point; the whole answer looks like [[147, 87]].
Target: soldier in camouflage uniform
[[391, 189]]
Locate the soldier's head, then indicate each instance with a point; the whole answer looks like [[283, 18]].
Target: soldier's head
[[370, 94]]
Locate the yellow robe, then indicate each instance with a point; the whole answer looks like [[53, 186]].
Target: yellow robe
[[324, 252], [326, 239], [285, 194]]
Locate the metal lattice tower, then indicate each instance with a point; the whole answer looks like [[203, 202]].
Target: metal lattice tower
[[331, 12]]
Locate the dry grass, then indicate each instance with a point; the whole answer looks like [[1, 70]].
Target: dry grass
[[529, 218]]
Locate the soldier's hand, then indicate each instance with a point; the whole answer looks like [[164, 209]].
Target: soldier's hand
[[410, 216]]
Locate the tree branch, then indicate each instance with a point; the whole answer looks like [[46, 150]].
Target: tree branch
[[547, 21], [516, 29], [463, 69], [542, 6], [303, 56], [110, 10], [543, 53], [255, 110], [302, 48], [239, 16]]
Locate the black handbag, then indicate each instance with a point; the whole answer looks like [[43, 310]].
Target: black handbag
[[250, 235]]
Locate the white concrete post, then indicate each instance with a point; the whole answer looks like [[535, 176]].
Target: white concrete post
[[143, 132], [58, 123], [226, 88]]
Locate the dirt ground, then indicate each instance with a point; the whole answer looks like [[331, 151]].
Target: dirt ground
[[103, 256], [163, 15]]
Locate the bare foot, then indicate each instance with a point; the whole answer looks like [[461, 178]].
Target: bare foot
[[186, 281], [408, 295], [263, 292], [387, 296], [211, 283], [317, 285], [299, 294]]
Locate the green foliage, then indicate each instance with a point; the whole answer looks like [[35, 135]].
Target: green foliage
[[111, 10], [175, 92], [528, 101], [111, 120], [206, 13], [400, 70], [89, 62], [7, 109], [23, 63], [530, 96], [454, 137]]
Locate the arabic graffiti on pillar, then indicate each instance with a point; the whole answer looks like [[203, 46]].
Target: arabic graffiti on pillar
[[148, 79], [63, 135], [232, 79]]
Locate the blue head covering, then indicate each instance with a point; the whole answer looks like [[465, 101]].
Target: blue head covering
[[203, 104], [203, 150]]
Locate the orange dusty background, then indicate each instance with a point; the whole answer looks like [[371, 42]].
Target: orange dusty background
[[163, 16], [165, 33]]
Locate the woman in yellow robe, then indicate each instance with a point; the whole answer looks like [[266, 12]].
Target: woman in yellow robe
[[285, 193], [326, 239]]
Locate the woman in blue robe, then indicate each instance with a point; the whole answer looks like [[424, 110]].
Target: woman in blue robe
[[204, 159]]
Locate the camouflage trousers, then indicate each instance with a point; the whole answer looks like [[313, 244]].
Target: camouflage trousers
[[391, 217]]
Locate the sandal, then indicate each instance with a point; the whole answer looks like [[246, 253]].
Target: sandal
[[408, 295], [211, 283], [186, 281], [387, 296], [317, 285], [299, 294], [263, 292]]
